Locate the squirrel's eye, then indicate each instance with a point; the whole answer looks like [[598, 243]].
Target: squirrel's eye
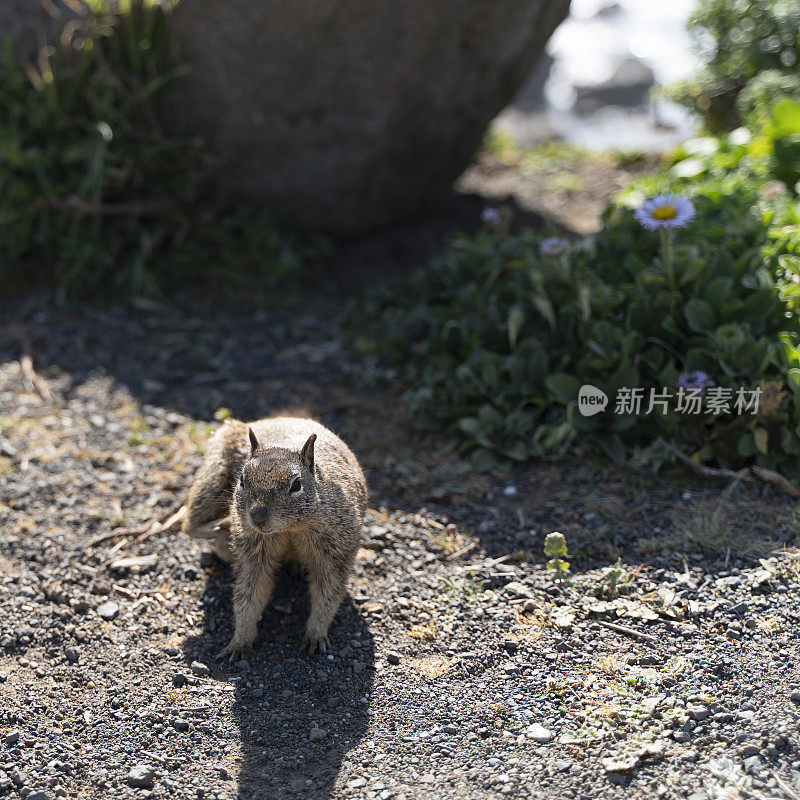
[[296, 486], [241, 477]]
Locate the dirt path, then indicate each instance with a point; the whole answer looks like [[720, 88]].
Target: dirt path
[[569, 188], [459, 668]]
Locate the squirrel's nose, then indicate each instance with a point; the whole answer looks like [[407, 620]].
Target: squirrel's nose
[[259, 514]]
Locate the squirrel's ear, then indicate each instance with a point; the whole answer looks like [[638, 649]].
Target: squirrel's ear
[[308, 451], [253, 442]]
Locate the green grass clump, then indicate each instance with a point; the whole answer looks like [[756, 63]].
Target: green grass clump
[[96, 199], [464, 589], [496, 337]]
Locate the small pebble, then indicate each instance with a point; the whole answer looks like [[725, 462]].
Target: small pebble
[[141, 777], [539, 733], [108, 610], [11, 738], [200, 669], [698, 713]]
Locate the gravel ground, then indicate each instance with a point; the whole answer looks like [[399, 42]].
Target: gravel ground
[[665, 666]]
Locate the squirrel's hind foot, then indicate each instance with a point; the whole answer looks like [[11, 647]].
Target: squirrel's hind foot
[[235, 651], [314, 644]]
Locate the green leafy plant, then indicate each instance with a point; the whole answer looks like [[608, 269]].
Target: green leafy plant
[[96, 199], [464, 589], [782, 129], [763, 92], [176, 696], [739, 41], [615, 581], [498, 335], [555, 547]]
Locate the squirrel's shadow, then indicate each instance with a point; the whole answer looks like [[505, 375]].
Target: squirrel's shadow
[[298, 715]]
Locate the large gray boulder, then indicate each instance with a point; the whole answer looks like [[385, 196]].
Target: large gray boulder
[[628, 87], [347, 115]]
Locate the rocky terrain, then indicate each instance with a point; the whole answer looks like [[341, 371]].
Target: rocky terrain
[[664, 664]]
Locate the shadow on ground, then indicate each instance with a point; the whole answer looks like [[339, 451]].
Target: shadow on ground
[[298, 715], [262, 359], [265, 356]]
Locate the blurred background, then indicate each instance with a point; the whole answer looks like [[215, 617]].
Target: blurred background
[[154, 147], [594, 86]]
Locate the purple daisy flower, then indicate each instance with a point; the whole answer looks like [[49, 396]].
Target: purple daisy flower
[[665, 211], [553, 246], [694, 380], [491, 216]]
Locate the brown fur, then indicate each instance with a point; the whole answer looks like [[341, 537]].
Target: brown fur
[[319, 526]]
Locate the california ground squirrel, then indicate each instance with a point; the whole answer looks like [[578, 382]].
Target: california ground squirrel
[[292, 490]]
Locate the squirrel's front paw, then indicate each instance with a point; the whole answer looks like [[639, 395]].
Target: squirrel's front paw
[[235, 650], [312, 643]]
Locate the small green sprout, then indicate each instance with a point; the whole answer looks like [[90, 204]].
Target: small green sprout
[[555, 546], [176, 696]]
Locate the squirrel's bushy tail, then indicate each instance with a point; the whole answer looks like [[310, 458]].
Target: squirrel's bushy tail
[[209, 497]]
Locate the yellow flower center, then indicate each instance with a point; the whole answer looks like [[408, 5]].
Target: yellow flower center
[[664, 212]]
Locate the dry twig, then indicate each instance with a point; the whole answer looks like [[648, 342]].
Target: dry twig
[[175, 514], [34, 381], [775, 478], [613, 626], [463, 551], [80, 206], [700, 469], [766, 475], [135, 561]]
